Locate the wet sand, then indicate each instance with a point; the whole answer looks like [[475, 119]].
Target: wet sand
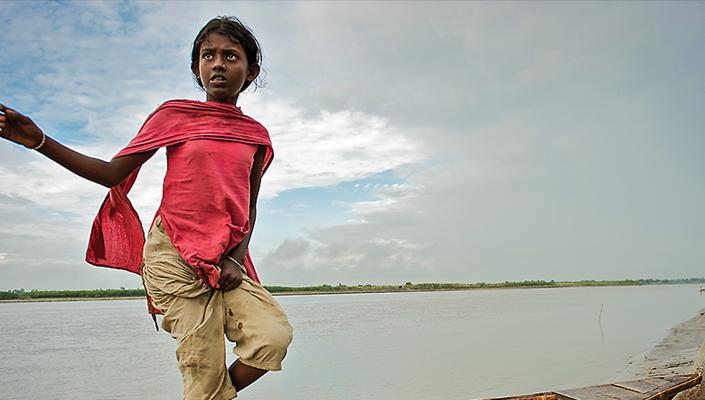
[[681, 352]]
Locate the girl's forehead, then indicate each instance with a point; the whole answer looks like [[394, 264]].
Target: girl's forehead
[[215, 39]]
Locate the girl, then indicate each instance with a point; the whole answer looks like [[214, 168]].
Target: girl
[[194, 263]]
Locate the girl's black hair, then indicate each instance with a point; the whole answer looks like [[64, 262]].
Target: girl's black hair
[[238, 33]]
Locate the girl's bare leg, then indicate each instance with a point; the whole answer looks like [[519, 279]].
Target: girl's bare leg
[[242, 375]]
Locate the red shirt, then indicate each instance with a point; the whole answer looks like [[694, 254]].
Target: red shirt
[[205, 205], [219, 189]]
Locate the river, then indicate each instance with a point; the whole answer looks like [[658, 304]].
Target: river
[[422, 345]]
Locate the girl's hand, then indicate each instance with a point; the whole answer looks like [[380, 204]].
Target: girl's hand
[[230, 275], [18, 128]]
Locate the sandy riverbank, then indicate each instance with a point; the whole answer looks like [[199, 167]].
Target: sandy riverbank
[[681, 352]]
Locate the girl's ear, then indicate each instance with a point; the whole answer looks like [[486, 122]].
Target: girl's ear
[[196, 73], [252, 72]]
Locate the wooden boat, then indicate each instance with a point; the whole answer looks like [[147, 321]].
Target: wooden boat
[[652, 388]]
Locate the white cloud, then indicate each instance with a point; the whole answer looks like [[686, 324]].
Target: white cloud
[[328, 147], [385, 197]]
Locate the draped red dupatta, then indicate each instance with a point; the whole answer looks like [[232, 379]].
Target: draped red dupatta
[[117, 238]]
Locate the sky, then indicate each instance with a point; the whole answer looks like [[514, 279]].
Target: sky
[[414, 141]]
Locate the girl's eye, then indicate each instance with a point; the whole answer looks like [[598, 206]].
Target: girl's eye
[[232, 57], [207, 56]]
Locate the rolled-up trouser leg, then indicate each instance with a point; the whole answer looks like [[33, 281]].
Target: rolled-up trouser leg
[[259, 326]]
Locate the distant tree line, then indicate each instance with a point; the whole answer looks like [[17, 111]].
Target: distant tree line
[[21, 294], [76, 294], [671, 281]]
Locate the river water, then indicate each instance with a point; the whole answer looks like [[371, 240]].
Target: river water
[[433, 345]]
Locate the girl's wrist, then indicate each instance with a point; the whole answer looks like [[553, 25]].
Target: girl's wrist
[[240, 264], [41, 142]]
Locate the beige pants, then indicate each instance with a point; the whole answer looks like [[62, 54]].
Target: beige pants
[[197, 316]]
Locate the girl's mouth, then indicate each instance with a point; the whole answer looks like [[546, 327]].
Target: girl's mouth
[[218, 80]]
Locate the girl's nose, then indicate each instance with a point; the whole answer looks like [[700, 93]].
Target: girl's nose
[[218, 64]]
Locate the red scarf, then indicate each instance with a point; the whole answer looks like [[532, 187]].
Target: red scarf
[[117, 238]]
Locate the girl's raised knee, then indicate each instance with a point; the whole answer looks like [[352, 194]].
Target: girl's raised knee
[[274, 347], [282, 337]]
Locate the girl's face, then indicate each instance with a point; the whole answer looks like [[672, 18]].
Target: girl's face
[[223, 68]]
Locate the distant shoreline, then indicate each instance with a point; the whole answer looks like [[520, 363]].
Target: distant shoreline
[[20, 296]]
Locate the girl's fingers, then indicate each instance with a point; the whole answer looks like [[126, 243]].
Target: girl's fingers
[[13, 115], [7, 113]]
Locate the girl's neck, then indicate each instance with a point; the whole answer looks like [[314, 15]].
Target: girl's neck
[[232, 101]]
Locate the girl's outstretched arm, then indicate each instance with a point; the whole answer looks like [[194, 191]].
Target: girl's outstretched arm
[[21, 129]]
